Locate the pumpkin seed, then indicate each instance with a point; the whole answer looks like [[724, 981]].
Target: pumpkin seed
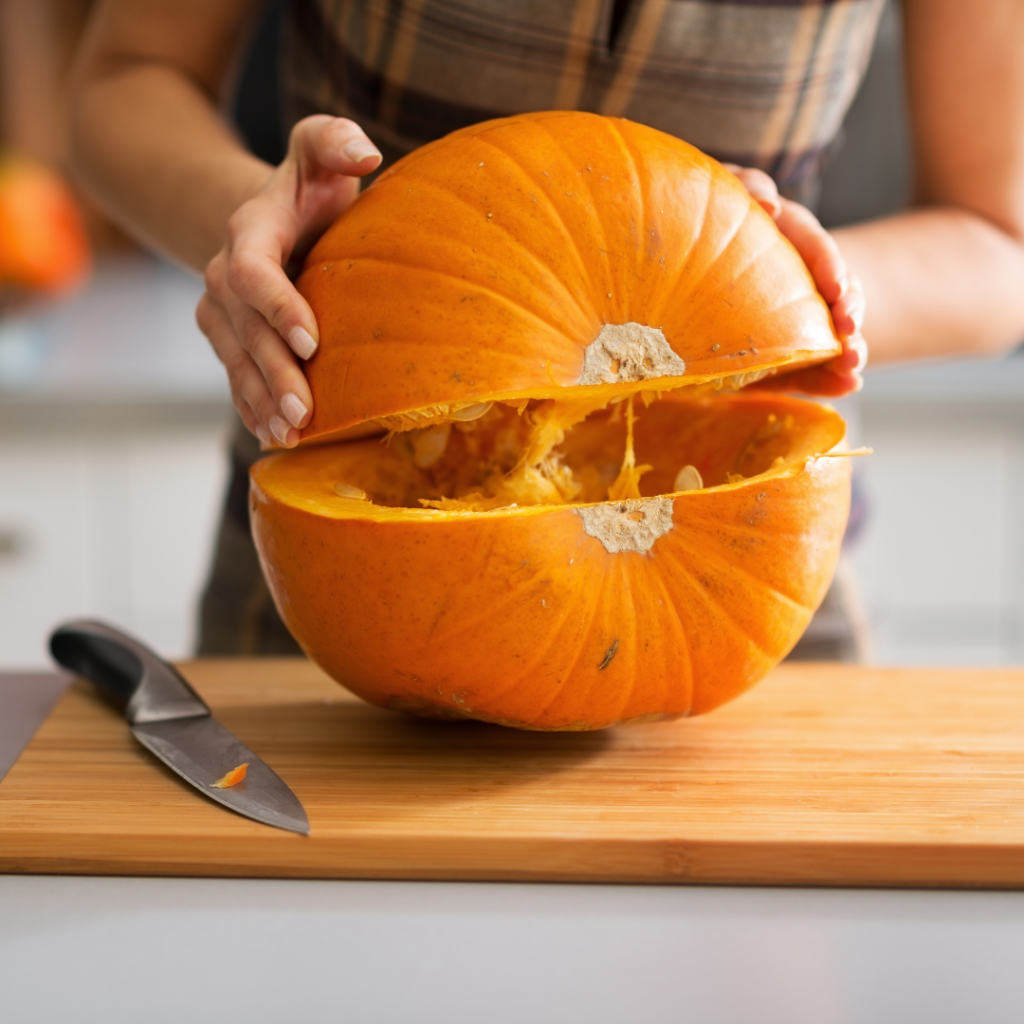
[[688, 479], [348, 491]]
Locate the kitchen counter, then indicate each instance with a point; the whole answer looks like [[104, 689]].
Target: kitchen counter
[[124, 949]]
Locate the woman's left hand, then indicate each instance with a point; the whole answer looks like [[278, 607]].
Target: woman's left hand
[[839, 288]]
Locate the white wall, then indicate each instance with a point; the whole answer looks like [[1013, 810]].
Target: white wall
[[941, 565], [107, 515]]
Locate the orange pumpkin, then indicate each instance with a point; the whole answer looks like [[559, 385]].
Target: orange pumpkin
[[533, 546], [43, 244]]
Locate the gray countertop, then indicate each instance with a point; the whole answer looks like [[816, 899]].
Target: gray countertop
[[113, 950], [129, 336], [109, 950]]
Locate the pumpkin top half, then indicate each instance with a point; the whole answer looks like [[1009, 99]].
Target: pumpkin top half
[[526, 256]]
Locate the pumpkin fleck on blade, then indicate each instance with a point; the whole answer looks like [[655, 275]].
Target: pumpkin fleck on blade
[[231, 778]]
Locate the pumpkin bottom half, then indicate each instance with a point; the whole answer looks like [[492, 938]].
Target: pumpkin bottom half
[[567, 616]]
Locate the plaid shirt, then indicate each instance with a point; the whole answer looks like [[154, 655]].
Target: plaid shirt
[[763, 83]]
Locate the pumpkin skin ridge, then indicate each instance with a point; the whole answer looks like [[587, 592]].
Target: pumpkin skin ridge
[[474, 285], [694, 281], [550, 272], [580, 264], [775, 591], [728, 615], [808, 326], [616, 133], [592, 606]]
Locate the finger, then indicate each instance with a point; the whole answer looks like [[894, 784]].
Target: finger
[[251, 388], [817, 248], [248, 383], [761, 187], [292, 401], [261, 236], [334, 144], [815, 380], [252, 424], [848, 310], [854, 356], [839, 376], [215, 323]]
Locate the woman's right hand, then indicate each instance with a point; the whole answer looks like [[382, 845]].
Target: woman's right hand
[[259, 325]]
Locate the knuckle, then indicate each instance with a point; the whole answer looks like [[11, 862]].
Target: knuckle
[[242, 407], [240, 221], [278, 311], [243, 272], [236, 361], [236, 223], [338, 127], [310, 123], [269, 353], [249, 339], [213, 275], [265, 407], [204, 314], [305, 132]]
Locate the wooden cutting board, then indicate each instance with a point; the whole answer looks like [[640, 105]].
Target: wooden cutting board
[[826, 775]]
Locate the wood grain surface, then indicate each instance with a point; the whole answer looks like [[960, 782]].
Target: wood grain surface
[[822, 774]]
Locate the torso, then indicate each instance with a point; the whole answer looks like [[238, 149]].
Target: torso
[[763, 84]]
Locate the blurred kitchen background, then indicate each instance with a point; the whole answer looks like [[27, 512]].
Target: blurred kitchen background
[[114, 412]]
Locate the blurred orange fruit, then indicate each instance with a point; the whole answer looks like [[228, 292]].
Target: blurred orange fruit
[[43, 243]]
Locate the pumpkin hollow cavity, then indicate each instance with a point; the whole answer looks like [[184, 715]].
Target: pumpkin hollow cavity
[[544, 453]]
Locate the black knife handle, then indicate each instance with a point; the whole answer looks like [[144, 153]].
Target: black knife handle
[[140, 682]]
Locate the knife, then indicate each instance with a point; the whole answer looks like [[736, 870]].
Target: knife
[[171, 721]]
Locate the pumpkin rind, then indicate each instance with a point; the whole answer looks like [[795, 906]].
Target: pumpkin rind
[[523, 617], [483, 265]]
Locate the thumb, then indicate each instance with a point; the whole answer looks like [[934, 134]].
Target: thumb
[[333, 144]]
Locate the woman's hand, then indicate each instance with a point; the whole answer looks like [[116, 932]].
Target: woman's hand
[[259, 325], [840, 289]]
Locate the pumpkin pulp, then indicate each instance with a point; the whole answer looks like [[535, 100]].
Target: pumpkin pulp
[[540, 453]]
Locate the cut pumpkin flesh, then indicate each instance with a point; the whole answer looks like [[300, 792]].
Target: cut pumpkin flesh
[[541, 454], [559, 565]]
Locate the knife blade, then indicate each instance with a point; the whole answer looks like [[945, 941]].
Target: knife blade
[[172, 721]]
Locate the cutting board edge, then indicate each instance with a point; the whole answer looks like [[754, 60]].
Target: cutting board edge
[[656, 862]]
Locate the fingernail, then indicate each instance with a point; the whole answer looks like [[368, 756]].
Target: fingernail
[[279, 429], [302, 342], [359, 149], [261, 433], [844, 283], [293, 409]]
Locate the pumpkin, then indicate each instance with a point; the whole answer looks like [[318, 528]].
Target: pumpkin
[[43, 244], [581, 514]]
